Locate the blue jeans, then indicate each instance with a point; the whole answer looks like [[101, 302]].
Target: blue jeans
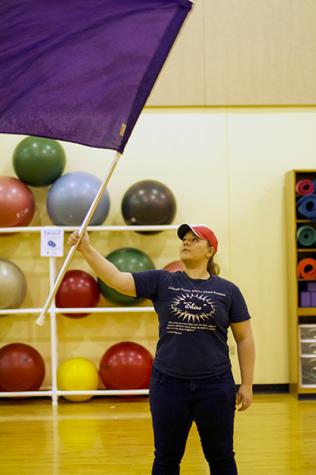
[[175, 403]]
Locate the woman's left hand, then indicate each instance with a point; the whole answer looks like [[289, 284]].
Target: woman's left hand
[[244, 397]]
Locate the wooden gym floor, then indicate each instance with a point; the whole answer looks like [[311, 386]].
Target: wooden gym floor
[[276, 436]]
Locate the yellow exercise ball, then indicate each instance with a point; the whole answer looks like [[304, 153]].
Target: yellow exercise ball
[[77, 374]]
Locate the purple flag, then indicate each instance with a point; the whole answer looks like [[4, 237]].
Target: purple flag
[[82, 70]]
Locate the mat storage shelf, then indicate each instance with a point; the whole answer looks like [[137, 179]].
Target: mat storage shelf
[[300, 188]]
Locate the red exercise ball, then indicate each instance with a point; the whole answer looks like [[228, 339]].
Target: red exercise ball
[[174, 266], [78, 289], [126, 365], [17, 204], [22, 368]]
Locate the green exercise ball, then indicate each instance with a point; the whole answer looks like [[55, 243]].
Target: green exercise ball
[[38, 161], [126, 259], [12, 285]]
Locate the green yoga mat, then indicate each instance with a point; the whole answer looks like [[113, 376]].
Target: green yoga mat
[[306, 236]]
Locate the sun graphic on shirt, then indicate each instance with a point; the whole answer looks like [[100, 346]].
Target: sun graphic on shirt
[[193, 308]]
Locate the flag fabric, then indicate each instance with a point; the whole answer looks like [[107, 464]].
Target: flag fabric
[[82, 70]]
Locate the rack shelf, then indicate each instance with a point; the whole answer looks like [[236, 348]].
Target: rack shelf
[[98, 392], [32, 311], [306, 311], [38, 229]]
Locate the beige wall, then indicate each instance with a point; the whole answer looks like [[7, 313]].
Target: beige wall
[[226, 168], [245, 52]]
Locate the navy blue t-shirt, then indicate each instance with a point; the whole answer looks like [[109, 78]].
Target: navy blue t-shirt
[[194, 316]]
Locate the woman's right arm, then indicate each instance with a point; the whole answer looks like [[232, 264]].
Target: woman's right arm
[[121, 281]]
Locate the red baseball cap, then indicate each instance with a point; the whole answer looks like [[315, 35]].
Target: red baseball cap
[[201, 231]]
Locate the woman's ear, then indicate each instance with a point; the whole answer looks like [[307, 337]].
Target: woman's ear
[[211, 252]]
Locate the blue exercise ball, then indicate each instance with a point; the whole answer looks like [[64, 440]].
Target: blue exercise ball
[[70, 197]]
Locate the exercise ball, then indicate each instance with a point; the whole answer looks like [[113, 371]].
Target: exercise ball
[[22, 368], [174, 266], [126, 259], [126, 365], [148, 202], [39, 161], [77, 374], [12, 285], [17, 204], [77, 289], [70, 197]]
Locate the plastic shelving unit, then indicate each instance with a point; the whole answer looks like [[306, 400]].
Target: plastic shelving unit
[[52, 317]]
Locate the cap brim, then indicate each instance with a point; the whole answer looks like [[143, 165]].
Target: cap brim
[[183, 229]]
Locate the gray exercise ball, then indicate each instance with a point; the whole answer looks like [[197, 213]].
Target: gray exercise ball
[[70, 197], [12, 285]]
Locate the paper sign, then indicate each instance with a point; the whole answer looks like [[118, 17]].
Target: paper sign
[[52, 242]]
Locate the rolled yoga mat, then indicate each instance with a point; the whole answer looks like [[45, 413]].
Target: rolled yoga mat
[[305, 187], [305, 299], [306, 206], [306, 236], [306, 268]]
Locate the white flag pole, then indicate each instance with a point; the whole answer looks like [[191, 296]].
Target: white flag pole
[[41, 319]]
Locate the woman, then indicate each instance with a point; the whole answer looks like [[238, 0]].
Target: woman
[[191, 378]]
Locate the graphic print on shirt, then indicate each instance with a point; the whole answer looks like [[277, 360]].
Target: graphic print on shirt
[[193, 309]]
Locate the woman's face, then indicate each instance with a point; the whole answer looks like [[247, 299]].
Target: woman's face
[[194, 249]]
